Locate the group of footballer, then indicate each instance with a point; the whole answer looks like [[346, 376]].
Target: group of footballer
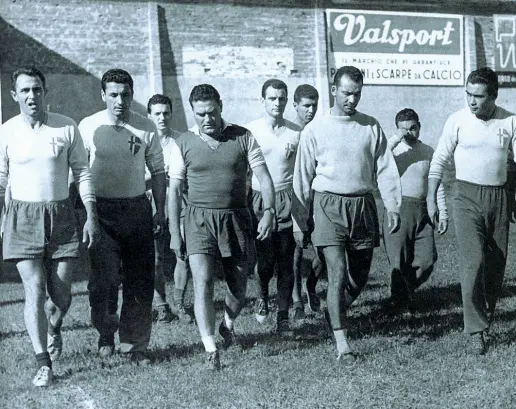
[[245, 200]]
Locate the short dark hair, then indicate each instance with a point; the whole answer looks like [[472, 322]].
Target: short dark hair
[[204, 92], [305, 91], [158, 99], [118, 76], [485, 76], [31, 72], [274, 83], [353, 73], [406, 114]]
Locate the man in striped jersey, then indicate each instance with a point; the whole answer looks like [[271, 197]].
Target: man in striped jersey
[[411, 250], [306, 100], [159, 109]]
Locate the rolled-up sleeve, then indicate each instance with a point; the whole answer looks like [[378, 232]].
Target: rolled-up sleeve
[[177, 168], [254, 152]]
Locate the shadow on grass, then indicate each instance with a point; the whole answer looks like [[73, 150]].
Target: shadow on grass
[[75, 325], [22, 300], [428, 298]]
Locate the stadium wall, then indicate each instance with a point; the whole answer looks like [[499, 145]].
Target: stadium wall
[[235, 45]]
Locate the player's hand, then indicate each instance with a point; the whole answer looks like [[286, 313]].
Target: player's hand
[[266, 226], [300, 237], [178, 246], [399, 134], [443, 226], [159, 223], [431, 205], [91, 232], [393, 222]]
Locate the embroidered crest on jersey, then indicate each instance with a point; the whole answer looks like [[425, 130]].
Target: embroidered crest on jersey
[[503, 136], [135, 144], [290, 149], [57, 146]]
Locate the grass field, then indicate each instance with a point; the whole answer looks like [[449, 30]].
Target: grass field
[[416, 360]]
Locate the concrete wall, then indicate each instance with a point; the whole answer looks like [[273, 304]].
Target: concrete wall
[[234, 45]]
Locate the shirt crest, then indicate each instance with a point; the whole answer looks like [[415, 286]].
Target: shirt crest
[[503, 136], [135, 144], [57, 146]]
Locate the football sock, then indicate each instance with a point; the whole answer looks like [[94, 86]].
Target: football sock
[[282, 316], [43, 359], [53, 330], [179, 295], [342, 341], [298, 304], [209, 343], [228, 321]]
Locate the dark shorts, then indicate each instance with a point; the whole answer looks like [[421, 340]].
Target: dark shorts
[[345, 220], [283, 208], [224, 232], [40, 229]]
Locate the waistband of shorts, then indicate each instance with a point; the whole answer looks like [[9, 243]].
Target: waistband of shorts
[[471, 184], [413, 200], [221, 210], [345, 195], [121, 199], [280, 190], [48, 203]]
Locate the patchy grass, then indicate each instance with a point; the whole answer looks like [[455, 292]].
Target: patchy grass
[[417, 360]]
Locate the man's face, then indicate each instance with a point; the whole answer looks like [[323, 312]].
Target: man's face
[[306, 109], [30, 95], [480, 103], [118, 98], [347, 95], [208, 116], [161, 115], [410, 130], [275, 102]]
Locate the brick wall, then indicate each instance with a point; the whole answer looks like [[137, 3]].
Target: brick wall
[[234, 45]]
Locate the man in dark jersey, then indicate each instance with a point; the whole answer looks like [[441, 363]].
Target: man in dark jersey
[[214, 162]]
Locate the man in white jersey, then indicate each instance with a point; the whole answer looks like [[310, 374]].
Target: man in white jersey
[[278, 139], [121, 145], [306, 100], [480, 140], [340, 155], [159, 109], [411, 250], [214, 162], [37, 151]]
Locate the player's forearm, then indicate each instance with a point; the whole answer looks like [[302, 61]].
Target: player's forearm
[[441, 202], [175, 198], [266, 186], [159, 191], [433, 186], [91, 210]]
